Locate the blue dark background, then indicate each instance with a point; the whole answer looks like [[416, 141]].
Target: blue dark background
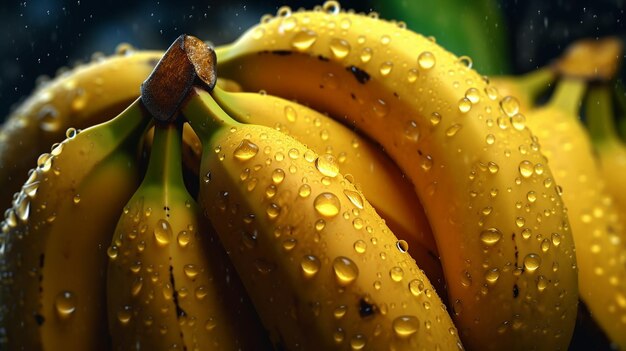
[[38, 37]]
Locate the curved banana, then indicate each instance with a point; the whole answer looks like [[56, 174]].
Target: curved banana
[[80, 98], [54, 238], [595, 223], [355, 157], [321, 267], [169, 282], [486, 188]]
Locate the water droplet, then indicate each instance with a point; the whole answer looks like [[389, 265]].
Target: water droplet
[[411, 131], [402, 246], [426, 60], [473, 95], [355, 198], [380, 108], [162, 232], [385, 68], [278, 176], [245, 150], [465, 105], [490, 236], [310, 265], [48, 118], [191, 271], [556, 239], [290, 114], [518, 121], [532, 262], [358, 342], [304, 191], [412, 75], [273, 210], [71, 133], [435, 118], [531, 196], [509, 105], [112, 252], [327, 204], [526, 169], [124, 314], [453, 129], [385, 39], [339, 48], [396, 273], [360, 246], [340, 311], [304, 39], [416, 287], [542, 283], [65, 304], [492, 275], [465, 61], [492, 92], [331, 7], [327, 165], [405, 326], [346, 271], [490, 139], [210, 324], [366, 55], [258, 33]]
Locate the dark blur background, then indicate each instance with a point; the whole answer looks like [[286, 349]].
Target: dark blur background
[[37, 37]]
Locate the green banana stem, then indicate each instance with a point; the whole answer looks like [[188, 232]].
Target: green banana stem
[[205, 115], [165, 164], [568, 96], [128, 121], [599, 112], [536, 82]]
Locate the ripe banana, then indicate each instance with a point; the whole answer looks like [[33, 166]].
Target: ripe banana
[[355, 157], [54, 238], [321, 267], [595, 223], [484, 184], [80, 98], [169, 282], [610, 150]]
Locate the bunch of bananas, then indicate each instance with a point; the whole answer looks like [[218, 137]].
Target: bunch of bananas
[[330, 180]]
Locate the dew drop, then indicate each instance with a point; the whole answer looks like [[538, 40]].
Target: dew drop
[[412, 75], [473, 95], [396, 273], [304, 40], [385, 68], [453, 129], [435, 118], [273, 210], [290, 114], [490, 236], [358, 342], [245, 150], [65, 304], [518, 121], [532, 262], [426, 60], [405, 326], [162, 232], [191, 271], [465, 61], [346, 271], [327, 165], [490, 139], [48, 118], [124, 314], [310, 265], [465, 105], [355, 198], [366, 55], [360, 246], [509, 105], [526, 169], [278, 175], [416, 287], [327, 204], [339, 48], [492, 275], [411, 131]]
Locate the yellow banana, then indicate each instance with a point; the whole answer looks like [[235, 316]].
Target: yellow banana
[[321, 267], [366, 165], [486, 189], [595, 223], [85, 96], [54, 238], [169, 282], [610, 149]]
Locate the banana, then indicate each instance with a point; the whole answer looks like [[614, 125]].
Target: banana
[[87, 95], [169, 282], [595, 223], [321, 267], [610, 150], [355, 157], [54, 238], [487, 191]]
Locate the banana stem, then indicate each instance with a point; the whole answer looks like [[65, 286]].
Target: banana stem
[[568, 95], [128, 121], [165, 164], [205, 115], [536, 82], [599, 112]]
